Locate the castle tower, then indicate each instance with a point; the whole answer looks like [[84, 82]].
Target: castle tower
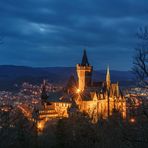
[[84, 72], [108, 81]]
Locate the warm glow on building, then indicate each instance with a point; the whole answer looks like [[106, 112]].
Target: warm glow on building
[[78, 91], [40, 125], [132, 120]]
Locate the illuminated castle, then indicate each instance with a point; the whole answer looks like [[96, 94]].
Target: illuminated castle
[[97, 99]]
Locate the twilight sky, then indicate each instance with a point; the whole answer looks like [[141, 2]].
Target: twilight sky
[[55, 32]]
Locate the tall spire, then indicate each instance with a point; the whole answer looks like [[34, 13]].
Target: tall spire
[[117, 89], [108, 81], [84, 59]]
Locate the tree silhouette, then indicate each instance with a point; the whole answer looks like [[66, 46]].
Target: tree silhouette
[[140, 67]]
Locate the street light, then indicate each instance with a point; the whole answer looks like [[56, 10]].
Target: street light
[[78, 91]]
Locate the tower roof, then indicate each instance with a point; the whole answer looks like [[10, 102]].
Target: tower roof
[[71, 82], [84, 59]]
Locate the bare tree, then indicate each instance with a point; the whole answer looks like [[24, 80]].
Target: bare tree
[[141, 58]]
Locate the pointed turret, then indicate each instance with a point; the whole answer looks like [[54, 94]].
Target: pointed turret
[[108, 81], [84, 59]]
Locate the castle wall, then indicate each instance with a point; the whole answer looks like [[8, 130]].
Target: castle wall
[[62, 108], [101, 108]]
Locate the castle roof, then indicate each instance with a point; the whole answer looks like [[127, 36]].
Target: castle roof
[[73, 107], [54, 96], [59, 97], [71, 83], [87, 95], [84, 59]]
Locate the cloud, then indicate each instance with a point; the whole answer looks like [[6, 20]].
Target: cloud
[[53, 32]]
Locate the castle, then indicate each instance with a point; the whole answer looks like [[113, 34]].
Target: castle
[[97, 99]]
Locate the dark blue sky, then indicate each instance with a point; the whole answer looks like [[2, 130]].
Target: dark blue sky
[[54, 32]]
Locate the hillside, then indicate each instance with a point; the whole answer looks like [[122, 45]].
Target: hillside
[[10, 75]]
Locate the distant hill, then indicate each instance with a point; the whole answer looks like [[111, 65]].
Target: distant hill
[[10, 75]]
